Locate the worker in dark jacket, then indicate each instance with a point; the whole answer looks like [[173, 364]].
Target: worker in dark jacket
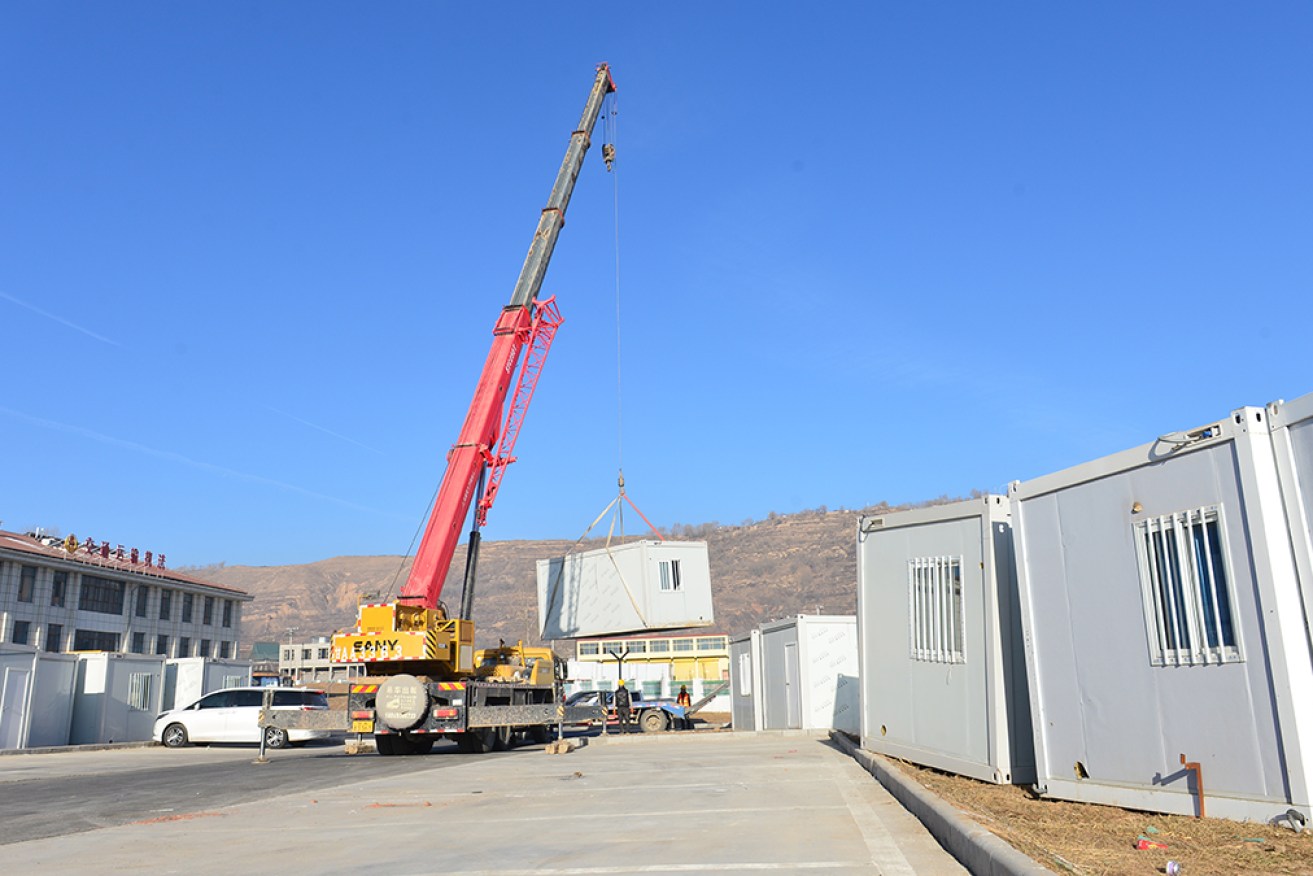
[[622, 704]]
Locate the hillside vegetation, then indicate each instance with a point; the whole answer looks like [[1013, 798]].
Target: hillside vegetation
[[783, 565]]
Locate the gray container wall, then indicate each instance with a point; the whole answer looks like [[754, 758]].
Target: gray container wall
[[36, 698], [973, 717], [1099, 705], [617, 590], [102, 712], [1292, 442], [809, 674], [744, 659]]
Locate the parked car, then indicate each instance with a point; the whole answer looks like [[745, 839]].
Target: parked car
[[232, 715], [651, 716]]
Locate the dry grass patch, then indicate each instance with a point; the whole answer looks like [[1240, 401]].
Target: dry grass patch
[[1089, 839]]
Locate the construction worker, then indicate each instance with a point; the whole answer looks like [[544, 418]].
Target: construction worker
[[622, 704], [683, 699]]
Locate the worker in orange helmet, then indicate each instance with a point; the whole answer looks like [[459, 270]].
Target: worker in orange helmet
[[683, 699]]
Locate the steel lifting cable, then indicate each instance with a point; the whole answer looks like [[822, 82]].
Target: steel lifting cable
[[610, 131]]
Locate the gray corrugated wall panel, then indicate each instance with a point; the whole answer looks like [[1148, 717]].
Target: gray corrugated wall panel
[[1292, 440], [1097, 698], [970, 717], [742, 689]]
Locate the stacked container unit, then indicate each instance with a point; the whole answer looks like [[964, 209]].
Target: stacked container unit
[[36, 697], [809, 674], [943, 673], [1165, 633], [116, 698]]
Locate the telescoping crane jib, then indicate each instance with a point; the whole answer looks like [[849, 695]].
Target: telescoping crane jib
[[414, 634]]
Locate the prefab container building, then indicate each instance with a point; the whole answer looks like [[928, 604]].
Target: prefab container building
[[187, 679], [1166, 645], [1292, 442], [36, 697], [116, 697], [642, 585], [809, 674], [745, 682], [943, 669]]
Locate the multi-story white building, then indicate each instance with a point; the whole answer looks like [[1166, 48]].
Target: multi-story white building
[[63, 595], [308, 661]]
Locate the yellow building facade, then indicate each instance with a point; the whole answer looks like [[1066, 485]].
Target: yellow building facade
[[689, 657]]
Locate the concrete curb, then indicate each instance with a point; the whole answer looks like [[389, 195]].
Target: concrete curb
[[60, 749], [980, 851]]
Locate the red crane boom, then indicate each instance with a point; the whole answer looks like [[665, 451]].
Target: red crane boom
[[524, 323]]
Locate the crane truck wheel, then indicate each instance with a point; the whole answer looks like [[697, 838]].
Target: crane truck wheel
[[653, 721], [402, 702], [476, 741]]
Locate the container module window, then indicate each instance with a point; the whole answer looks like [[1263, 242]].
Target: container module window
[[934, 593], [1186, 585], [669, 573], [139, 684]]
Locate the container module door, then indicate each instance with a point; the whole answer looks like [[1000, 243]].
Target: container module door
[[792, 700], [13, 696]]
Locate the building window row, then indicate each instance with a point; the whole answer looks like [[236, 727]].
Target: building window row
[[681, 645], [108, 596]]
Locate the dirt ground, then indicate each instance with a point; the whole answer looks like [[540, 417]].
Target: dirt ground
[[1088, 839]]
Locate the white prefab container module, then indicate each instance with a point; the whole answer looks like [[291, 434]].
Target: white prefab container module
[[809, 674], [1165, 636], [36, 697], [116, 697], [629, 588], [187, 679], [943, 669]]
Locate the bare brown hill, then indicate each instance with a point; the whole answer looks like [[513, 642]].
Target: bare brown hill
[[783, 565]]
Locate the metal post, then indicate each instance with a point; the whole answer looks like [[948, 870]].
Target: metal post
[[266, 707]]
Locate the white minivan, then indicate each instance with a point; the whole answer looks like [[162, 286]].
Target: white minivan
[[232, 715]]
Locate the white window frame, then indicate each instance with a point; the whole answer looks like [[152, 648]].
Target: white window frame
[[1176, 618], [936, 610]]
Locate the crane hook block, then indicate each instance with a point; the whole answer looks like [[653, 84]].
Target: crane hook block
[[608, 154]]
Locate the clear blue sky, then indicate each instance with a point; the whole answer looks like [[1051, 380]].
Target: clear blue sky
[[251, 254]]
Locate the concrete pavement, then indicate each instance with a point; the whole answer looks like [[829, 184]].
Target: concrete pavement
[[685, 803]]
